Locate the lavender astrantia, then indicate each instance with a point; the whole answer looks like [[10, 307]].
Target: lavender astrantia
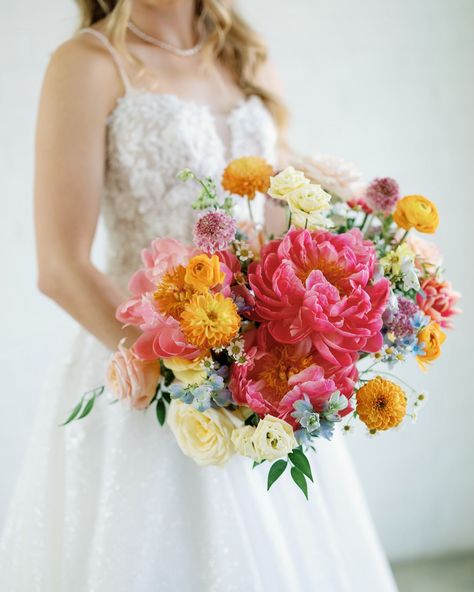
[[382, 195]]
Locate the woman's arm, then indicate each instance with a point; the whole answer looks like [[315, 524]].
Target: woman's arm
[[79, 91]]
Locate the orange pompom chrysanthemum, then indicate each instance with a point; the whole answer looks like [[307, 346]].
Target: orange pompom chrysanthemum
[[173, 293], [381, 404], [247, 175], [210, 320]]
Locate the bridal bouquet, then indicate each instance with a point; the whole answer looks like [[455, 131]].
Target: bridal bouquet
[[259, 346]]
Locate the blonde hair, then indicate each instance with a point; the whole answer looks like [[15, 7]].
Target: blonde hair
[[229, 39]]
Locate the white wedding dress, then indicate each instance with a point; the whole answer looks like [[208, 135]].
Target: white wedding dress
[[110, 503]]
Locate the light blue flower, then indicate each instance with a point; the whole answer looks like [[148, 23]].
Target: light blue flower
[[215, 382], [177, 391], [306, 416], [202, 397], [336, 403], [223, 397]]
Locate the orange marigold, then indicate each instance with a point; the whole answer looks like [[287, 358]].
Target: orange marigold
[[381, 404], [247, 175], [210, 320], [173, 293]]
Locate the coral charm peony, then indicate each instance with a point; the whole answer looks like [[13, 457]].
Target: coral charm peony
[[318, 284]]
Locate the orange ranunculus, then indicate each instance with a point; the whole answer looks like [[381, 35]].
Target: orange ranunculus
[[381, 404], [210, 320], [247, 175], [173, 292], [432, 338], [416, 211], [204, 272]]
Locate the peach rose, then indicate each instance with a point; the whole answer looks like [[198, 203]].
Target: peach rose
[[204, 272], [131, 379], [416, 211]]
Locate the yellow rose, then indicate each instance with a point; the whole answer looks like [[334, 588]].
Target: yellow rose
[[204, 272], [204, 437], [242, 438], [416, 211], [308, 205], [432, 337], [286, 181], [186, 371], [273, 438]]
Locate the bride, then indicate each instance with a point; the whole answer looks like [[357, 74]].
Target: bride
[[147, 88]]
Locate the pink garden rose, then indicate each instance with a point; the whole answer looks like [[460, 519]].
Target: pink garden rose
[[163, 255], [320, 285], [428, 255], [438, 300], [131, 379], [276, 375]]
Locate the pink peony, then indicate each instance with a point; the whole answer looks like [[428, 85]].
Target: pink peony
[[277, 375], [319, 285], [131, 379], [438, 301]]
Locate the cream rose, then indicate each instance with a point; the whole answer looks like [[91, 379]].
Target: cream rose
[[204, 437], [186, 371], [242, 438], [286, 181], [308, 205], [131, 379], [273, 438]]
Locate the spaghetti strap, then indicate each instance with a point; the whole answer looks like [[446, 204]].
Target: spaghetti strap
[[114, 54]]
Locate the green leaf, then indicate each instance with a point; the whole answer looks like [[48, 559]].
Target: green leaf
[[299, 459], [166, 396], [276, 470], [300, 480], [88, 408], [74, 414], [160, 411], [252, 420], [256, 463]]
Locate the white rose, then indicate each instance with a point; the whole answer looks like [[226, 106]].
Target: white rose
[[186, 371], [273, 438], [242, 439], [308, 206], [204, 437], [337, 176], [286, 181]]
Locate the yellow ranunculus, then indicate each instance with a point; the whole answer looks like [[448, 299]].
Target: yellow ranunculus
[[204, 437], [285, 182], [416, 211], [308, 205], [204, 272], [432, 337], [273, 438], [242, 439], [186, 371]]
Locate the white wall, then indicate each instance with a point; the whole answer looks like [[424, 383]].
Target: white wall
[[386, 83]]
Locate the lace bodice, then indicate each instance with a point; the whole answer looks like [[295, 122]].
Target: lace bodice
[[150, 138]]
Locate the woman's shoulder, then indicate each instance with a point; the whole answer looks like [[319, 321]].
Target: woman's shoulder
[[84, 65]]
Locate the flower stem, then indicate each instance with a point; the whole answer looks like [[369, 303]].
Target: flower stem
[[364, 220], [404, 237], [408, 386], [289, 221], [366, 224], [250, 210]]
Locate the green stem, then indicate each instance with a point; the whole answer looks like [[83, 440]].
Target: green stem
[[250, 210], [206, 188], [364, 220], [367, 223], [404, 237], [289, 221], [397, 379]]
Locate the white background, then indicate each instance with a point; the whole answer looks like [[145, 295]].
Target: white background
[[388, 84]]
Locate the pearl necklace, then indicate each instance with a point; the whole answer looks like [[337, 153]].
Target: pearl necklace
[[184, 53]]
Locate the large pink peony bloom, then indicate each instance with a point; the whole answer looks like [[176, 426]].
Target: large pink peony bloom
[[276, 375], [319, 285], [438, 301]]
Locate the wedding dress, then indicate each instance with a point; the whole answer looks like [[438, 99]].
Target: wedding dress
[[110, 503]]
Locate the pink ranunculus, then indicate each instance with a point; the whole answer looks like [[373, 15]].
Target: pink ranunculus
[[131, 379], [163, 255], [438, 300], [320, 285], [276, 375]]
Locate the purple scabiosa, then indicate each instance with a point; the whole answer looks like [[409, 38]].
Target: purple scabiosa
[[401, 322], [214, 231], [382, 195]]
